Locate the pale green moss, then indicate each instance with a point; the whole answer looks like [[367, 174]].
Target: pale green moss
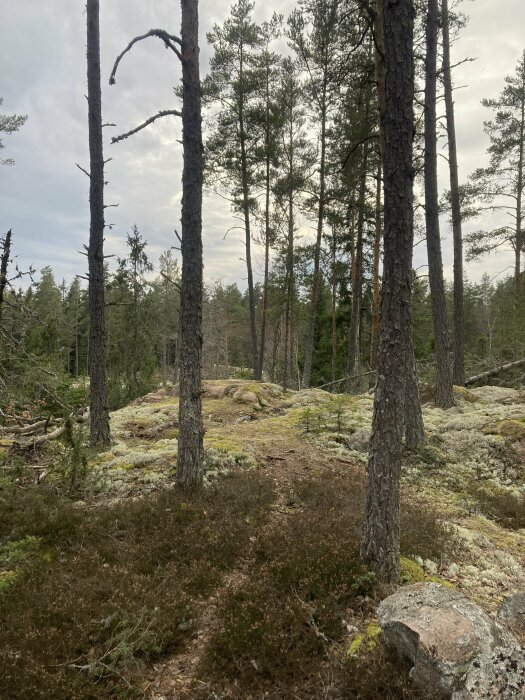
[[509, 428], [364, 641], [411, 572], [464, 393]]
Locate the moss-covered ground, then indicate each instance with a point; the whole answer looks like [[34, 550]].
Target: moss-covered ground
[[124, 587]]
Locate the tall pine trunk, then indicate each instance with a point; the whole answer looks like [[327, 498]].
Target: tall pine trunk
[[352, 364], [260, 365], [334, 304], [376, 293], [381, 535], [458, 372], [247, 225], [288, 333], [519, 198], [444, 394], [191, 431], [98, 395], [316, 282]]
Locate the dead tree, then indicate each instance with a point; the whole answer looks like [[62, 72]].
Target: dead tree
[[191, 431], [4, 262], [98, 394]]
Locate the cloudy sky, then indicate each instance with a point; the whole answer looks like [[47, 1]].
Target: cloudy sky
[[43, 198]]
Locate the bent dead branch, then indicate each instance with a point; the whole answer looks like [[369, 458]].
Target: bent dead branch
[[169, 41], [162, 113]]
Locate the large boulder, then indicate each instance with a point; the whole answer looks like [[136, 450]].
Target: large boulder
[[512, 614], [457, 651]]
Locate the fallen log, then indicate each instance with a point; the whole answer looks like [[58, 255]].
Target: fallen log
[[25, 429], [494, 372], [346, 379], [42, 439]]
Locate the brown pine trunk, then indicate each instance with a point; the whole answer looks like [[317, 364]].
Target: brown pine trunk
[[379, 60], [458, 371], [519, 217], [247, 227], [260, 365], [376, 294], [316, 282], [353, 385], [414, 426], [381, 536], [191, 431], [444, 394], [288, 334], [334, 305], [98, 397]]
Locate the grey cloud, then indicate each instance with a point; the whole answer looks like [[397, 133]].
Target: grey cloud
[[44, 197]]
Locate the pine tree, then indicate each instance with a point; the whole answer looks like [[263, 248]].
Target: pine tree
[[318, 35], [459, 328], [381, 537], [499, 186], [98, 396], [232, 84], [444, 394], [9, 124]]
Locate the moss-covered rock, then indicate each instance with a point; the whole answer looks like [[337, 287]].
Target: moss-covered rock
[[509, 428]]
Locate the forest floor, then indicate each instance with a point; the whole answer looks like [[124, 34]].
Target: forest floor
[[254, 588]]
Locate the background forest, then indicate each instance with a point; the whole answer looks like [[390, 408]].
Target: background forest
[[306, 109]]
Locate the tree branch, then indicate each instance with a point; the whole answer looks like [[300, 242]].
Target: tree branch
[[168, 39], [162, 113]]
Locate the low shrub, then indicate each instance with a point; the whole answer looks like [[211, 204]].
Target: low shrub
[[118, 585]]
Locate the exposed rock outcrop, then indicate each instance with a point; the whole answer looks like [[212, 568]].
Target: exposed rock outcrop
[[457, 651]]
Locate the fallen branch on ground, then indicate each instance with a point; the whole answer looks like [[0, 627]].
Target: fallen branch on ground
[[494, 372]]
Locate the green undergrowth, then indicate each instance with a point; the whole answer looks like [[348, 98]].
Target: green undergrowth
[[119, 587]]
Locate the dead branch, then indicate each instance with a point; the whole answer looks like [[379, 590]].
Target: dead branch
[[83, 170], [169, 41], [46, 437], [24, 429], [162, 113], [494, 372], [345, 379]]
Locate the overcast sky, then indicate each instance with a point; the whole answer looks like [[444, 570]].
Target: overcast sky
[[43, 198]]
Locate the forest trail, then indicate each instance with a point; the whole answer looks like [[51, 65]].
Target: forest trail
[[285, 462], [258, 583]]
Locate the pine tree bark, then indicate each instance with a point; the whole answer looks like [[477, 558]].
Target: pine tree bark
[[357, 279], [458, 372], [444, 394], [519, 198], [316, 281], [376, 293], [381, 536], [290, 286], [267, 137], [98, 397], [414, 426], [247, 225], [191, 431], [334, 305]]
